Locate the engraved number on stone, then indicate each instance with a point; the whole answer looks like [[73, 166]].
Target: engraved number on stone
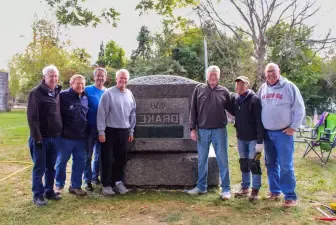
[[158, 105]]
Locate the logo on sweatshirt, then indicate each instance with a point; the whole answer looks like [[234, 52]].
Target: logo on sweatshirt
[[71, 107], [272, 95]]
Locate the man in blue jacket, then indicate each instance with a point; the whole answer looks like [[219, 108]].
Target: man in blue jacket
[[250, 134], [93, 93], [74, 108], [282, 113]]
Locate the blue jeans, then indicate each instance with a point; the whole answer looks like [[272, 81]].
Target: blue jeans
[[218, 138], [76, 148], [44, 158], [93, 146], [279, 159], [247, 150]]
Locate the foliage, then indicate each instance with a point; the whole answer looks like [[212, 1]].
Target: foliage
[[43, 50], [144, 47]]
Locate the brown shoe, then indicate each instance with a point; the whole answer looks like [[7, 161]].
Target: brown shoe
[[77, 191], [289, 203], [273, 196], [244, 192], [254, 195]]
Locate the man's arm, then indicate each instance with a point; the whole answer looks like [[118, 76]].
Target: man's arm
[[132, 118], [33, 117], [256, 106], [193, 111], [102, 113], [298, 108]]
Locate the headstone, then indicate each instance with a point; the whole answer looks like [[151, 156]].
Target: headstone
[[163, 155], [4, 92]]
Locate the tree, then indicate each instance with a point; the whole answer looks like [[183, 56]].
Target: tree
[[114, 55], [261, 16], [101, 61], [44, 49], [144, 47]]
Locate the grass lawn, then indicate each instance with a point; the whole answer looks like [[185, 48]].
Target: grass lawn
[[314, 182]]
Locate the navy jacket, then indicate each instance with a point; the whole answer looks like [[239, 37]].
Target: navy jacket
[[247, 112], [74, 110]]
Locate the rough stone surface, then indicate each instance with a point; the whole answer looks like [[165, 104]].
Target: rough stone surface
[[177, 170], [163, 145], [163, 104], [161, 79], [4, 92]]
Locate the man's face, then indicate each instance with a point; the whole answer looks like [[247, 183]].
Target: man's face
[[100, 78], [51, 79], [78, 85], [241, 87], [272, 74], [213, 78], [122, 80]]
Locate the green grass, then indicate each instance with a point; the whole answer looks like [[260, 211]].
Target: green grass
[[314, 182]]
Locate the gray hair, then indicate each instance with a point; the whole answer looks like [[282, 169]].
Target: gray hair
[[75, 77], [50, 68], [122, 71], [272, 64], [97, 69], [213, 68]]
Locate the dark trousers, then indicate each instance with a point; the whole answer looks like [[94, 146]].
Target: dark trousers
[[44, 157], [113, 156]]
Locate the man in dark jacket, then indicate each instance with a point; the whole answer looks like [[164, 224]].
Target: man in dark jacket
[[250, 134], [74, 108], [45, 124], [208, 125]]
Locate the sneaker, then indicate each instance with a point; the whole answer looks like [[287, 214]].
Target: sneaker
[[77, 191], [88, 187], [196, 191], [254, 195], [108, 191], [289, 203], [58, 189], [225, 195], [244, 192], [273, 196], [96, 181], [40, 201], [54, 196], [120, 188]]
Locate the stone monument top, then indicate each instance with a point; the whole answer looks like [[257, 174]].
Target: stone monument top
[[161, 79]]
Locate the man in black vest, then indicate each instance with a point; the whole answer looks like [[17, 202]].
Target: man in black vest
[[250, 135]]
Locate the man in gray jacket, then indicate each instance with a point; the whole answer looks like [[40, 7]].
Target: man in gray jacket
[[115, 124], [282, 113]]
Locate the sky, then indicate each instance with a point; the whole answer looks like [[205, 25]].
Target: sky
[[17, 16]]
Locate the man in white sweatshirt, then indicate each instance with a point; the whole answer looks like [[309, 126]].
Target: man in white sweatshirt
[[115, 124], [282, 113]]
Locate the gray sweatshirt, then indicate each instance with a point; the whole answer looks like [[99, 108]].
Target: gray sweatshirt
[[282, 105], [117, 110]]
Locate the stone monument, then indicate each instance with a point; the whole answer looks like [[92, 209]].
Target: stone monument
[[4, 92], [163, 155]]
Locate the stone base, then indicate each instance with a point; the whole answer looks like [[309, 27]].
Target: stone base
[[167, 170]]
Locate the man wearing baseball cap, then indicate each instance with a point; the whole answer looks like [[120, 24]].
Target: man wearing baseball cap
[[250, 135]]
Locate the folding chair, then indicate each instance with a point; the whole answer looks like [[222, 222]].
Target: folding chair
[[323, 137]]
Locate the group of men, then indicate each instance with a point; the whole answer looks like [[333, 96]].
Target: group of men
[[65, 123], [263, 120], [83, 120]]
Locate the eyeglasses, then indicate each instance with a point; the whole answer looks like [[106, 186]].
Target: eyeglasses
[[271, 71]]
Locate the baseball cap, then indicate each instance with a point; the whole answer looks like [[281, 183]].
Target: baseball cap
[[243, 78]]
